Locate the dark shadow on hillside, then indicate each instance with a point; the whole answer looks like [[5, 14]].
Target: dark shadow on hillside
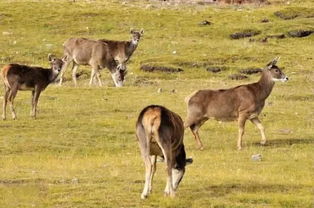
[[285, 142], [221, 190]]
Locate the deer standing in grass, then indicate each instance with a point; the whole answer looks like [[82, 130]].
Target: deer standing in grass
[[123, 50], [20, 77], [241, 103], [100, 54], [160, 133], [83, 51]]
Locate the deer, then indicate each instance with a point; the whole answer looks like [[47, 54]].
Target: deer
[[28, 78], [240, 103], [160, 133], [111, 54], [83, 51], [123, 50]]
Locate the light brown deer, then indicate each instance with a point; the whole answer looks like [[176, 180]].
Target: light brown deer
[[160, 133], [83, 51], [241, 103], [123, 50], [20, 77]]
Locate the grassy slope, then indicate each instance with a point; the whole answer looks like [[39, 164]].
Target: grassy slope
[[82, 151]]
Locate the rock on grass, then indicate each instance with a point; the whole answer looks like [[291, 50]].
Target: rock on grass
[[149, 68], [294, 12], [250, 71], [300, 33], [244, 34], [237, 77], [215, 69]]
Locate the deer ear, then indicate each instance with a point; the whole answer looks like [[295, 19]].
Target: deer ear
[[65, 59], [142, 31], [51, 57], [273, 62], [189, 161], [131, 30]]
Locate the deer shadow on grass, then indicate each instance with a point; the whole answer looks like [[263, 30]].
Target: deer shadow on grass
[[286, 142]]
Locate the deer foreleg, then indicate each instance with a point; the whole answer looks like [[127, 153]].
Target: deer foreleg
[[259, 125], [92, 77], [36, 94]]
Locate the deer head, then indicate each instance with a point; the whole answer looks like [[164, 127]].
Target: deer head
[[136, 35], [56, 63], [275, 72]]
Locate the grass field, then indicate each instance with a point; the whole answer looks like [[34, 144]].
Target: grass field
[[82, 150]]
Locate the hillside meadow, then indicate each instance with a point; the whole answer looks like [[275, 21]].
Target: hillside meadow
[[81, 151]]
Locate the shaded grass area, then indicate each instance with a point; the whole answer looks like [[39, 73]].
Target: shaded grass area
[[82, 150]]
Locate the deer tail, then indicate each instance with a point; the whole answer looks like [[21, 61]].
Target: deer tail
[[4, 73]]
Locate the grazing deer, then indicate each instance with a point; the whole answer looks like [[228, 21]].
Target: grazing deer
[[20, 77], [160, 133], [82, 51], [241, 103], [123, 50]]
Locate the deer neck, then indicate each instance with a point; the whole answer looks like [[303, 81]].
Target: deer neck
[[131, 47], [266, 84], [52, 75]]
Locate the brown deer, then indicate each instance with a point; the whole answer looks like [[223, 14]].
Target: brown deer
[[123, 50], [241, 103], [160, 133], [83, 51], [20, 77]]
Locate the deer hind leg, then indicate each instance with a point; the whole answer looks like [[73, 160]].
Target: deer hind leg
[[98, 75], [74, 70], [259, 125], [148, 169], [241, 124], [11, 96], [153, 159], [195, 125], [167, 153], [64, 68], [169, 190], [5, 101]]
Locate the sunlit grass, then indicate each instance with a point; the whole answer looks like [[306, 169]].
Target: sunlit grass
[[82, 150]]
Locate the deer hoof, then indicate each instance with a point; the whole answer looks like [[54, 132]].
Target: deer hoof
[[263, 142], [239, 148], [201, 148], [144, 196]]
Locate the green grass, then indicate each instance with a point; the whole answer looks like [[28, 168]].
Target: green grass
[[82, 150]]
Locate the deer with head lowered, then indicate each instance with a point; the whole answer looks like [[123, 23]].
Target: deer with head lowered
[[83, 51], [123, 50], [20, 77], [160, 133], [241, 103]]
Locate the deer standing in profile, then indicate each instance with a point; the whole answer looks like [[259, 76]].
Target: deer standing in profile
[[83, 51], [20, 77], [241, 103], [100, 54], [160, 133]]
